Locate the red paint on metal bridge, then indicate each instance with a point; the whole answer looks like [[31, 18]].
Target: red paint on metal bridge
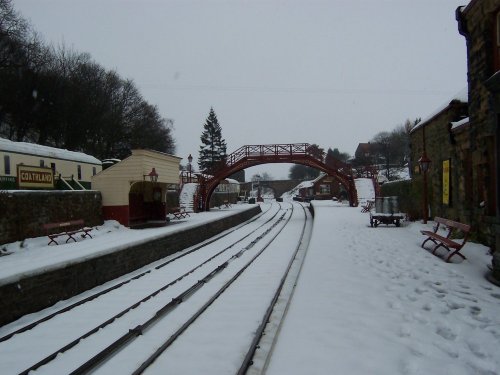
[[298, 153]]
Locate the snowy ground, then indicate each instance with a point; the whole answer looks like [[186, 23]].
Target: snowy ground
[[368, 300], [371, 301]]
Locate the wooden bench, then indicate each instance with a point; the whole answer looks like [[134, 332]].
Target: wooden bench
[[226, 204], [368, 206], [66, 228], [453, 246], [179, 213]]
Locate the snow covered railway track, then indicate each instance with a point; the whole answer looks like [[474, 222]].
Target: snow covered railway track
[[230, 338], [100, 293], [108, 353], [70, 326]]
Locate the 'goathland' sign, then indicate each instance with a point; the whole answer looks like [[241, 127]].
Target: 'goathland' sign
[[31, 177]]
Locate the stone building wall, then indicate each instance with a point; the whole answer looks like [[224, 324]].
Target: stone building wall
[[477, 23], [31, 294], [441, 144], [24, 212]]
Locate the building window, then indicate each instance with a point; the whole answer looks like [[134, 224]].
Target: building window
[[79, 169], [6, 164], [53, 167], [94, 171], [324, 189], [42, 163]]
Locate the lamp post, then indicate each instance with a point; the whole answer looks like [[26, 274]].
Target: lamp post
[[190, 160], [424, 162], [259, 197]]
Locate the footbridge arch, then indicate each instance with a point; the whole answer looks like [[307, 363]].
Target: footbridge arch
[[297, 153]]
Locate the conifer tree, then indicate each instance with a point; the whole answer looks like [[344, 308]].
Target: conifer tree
[[213, 149]]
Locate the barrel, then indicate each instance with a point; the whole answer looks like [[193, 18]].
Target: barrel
[[387, 205]]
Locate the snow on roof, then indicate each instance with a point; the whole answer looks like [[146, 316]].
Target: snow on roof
[[295, 190], [457, 124], [461, 96], [50, 152]]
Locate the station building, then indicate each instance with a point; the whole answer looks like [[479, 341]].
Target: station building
[[479, 24], [443, 137], [462, 138]]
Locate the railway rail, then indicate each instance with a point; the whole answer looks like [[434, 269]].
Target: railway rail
[[121, 333], [113, 287]]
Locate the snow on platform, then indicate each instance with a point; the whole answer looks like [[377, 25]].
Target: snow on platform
[[372, 301], [33, 256]]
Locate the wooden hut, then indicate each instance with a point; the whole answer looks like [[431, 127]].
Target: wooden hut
[[134, 190]]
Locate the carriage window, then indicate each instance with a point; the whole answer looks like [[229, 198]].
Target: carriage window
[[6, 164]]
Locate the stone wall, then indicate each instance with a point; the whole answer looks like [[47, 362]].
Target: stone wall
[[23, 212], [441, 144], [35, 293], [477, 24]]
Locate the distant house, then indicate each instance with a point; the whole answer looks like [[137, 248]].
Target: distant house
[[322, 187], [30, 166], [366, 153]]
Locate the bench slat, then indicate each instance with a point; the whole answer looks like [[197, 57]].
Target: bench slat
[[447, 242]]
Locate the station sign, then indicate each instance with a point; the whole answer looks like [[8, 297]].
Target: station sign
[[446, 181], [31, 177]]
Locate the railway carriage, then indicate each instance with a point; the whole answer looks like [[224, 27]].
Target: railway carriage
[[70, 170]]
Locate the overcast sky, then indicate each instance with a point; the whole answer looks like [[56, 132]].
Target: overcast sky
[[334, 73]]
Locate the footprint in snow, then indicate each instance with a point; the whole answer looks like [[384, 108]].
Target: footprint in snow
[[412, 298], [446, 333], [475, 310], [394, 304], [448, 349], [420, 290], [404, 331], [455, 305], [476, 349]]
